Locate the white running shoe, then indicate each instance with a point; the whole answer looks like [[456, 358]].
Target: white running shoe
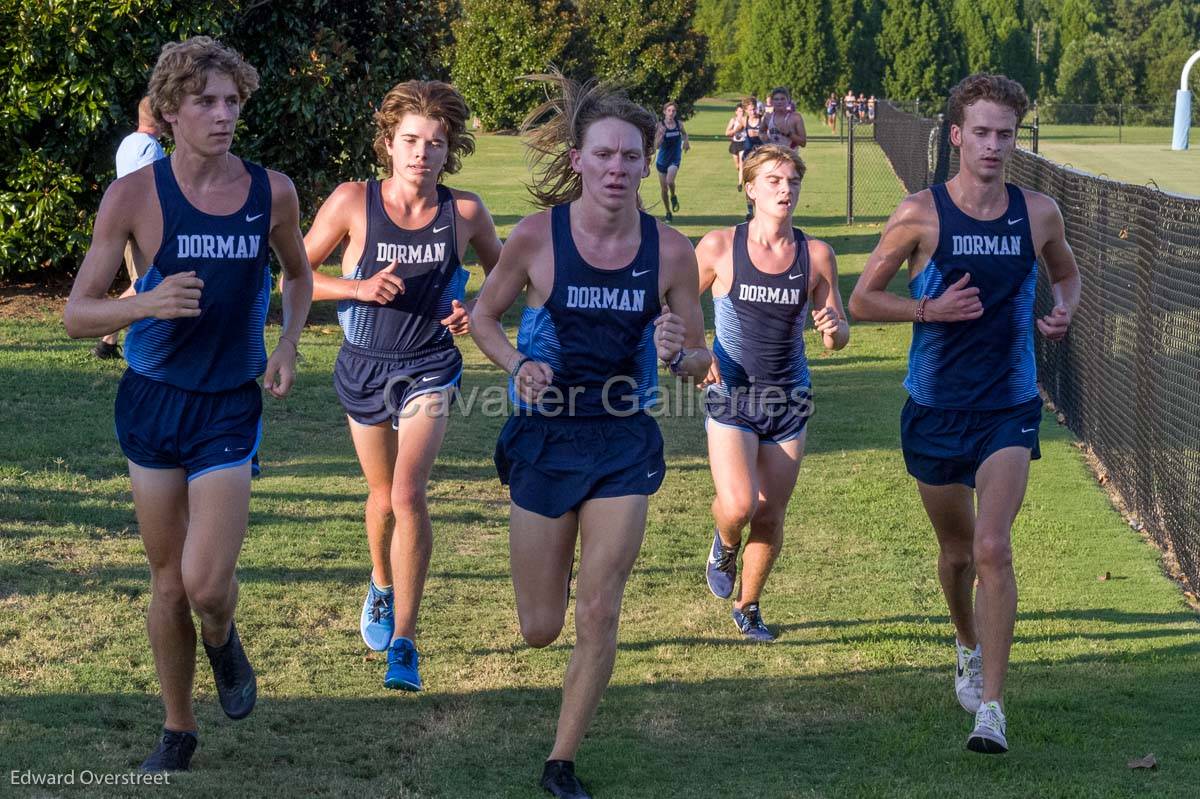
[[968, 677], [988, 735]]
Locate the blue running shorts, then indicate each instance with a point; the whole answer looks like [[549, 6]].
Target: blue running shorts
[[944, 446], [160, 426], [773, 416], [554, 464], [374, 386]]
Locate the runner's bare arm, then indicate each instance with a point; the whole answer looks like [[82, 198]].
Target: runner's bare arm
[[89, 312], [329, 229], [681, 283], [1061, 270], [297, 283], [502, 287], [870, 300], [829, 315], [798, 135]]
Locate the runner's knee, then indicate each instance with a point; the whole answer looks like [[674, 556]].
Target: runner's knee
[[540, 630], [992, 553], [379, 500], [596, 619], [408, 495]]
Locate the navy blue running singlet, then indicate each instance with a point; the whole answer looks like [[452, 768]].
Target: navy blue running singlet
[[759, 339], [222, 348], [670, 149], [433, 277], [985, 363], [596, 329]]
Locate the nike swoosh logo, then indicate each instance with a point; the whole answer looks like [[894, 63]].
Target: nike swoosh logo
[[1015, 221], [427, 379], [252, 218], [235, 449], [1030, 430], [440, 229], [651, 474], [639, 274], [795, 277]]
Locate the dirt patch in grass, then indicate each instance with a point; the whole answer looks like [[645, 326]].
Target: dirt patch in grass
[[39, 295]]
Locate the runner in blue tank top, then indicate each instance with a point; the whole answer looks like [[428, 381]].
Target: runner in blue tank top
[[609, 292], [400, 302], [763, 274], [188, 409], [970, 426], [671, 141]]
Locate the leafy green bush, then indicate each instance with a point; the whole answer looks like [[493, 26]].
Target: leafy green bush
[[497, 41], [71, 75], [650, 47]]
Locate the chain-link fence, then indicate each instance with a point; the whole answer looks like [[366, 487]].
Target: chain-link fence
[[1127, 377]]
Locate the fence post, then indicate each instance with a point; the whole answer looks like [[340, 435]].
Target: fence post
[[1036, 125], [850, 172], [1120, 120]]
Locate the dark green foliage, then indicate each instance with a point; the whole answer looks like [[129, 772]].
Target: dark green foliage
[[1097, 69], [73, 74], [921, 50], [856, 26], [324, 70], [789, 43], [1167, 42], [650, 47], [497, 41], [718, 20], [996, 39]]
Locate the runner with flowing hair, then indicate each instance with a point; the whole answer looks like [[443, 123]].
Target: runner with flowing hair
[[609, 292]]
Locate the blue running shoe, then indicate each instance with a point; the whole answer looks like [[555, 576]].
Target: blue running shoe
[[721, 571], [237, 687], [378, 620], [749, 621], [173, 753], [402, 666]]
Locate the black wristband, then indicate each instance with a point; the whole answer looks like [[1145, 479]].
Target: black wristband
[[524, 360]]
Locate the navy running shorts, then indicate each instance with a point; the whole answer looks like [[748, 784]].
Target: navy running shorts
[[775, 416], [944, 446], [554, 464], [160, 426], [662, 166], [375, 386]]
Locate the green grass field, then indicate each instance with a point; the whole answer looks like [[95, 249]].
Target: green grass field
[[854, 700], [1156, 164]]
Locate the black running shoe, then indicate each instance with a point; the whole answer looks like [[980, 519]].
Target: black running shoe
[[173, 753], [674, 202], [105, 351], [237, 687], [669, 218], [558, 778]]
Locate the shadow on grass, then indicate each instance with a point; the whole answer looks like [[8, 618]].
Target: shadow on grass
[[876, 732]]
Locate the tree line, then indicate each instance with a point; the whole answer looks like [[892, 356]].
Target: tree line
[[72, 73], [1061, 51]]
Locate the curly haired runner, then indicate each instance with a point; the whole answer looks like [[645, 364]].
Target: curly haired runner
[[400, 304], [608, 291], [970, 426], [188, 410]]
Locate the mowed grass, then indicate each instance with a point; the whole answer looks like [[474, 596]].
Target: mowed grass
[[1176, 171], [854, 700]]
